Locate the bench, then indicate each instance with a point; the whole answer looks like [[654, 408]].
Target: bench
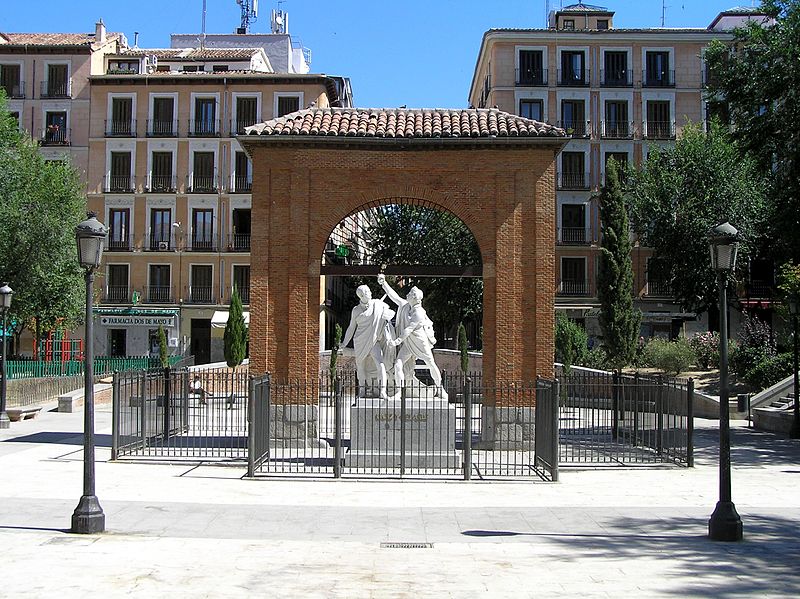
[[17, 414]]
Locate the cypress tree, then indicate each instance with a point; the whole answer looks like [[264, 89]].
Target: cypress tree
[[337, 341], [463, 346], [618, 320], [235, 338], [163, 354]]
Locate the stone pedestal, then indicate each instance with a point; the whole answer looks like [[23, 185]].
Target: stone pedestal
[[511, 428], [293, 425], [376, 433]]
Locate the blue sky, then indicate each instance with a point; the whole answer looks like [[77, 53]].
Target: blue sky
[[412, 52]]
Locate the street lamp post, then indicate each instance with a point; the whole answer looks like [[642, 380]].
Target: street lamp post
[[725, 523], [794, 310], [88, 517], [5, 303]]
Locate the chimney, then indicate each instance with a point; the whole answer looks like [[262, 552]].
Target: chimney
[[99, 32]]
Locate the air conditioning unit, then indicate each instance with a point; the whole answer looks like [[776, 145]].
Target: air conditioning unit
[[163, 246], [173, 342]]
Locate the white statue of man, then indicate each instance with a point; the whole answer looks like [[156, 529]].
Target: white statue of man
[[414, 333], [369, 331]]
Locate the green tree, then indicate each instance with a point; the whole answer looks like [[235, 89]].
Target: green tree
[[572, 344], [163, 352], [337, 340], [758, 76], [618, 320], [41, 204], [680, 193], [235, 338], [463, 347]]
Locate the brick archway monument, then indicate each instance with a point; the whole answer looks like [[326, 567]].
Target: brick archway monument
[[493, 170]]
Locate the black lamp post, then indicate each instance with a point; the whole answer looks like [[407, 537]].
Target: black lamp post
[[88, 517], [794, 310], [725, 523], [5, 303]]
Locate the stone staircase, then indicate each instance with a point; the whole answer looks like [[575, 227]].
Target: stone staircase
[[777, 415]]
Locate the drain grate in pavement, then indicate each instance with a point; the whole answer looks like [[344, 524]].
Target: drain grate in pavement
[[406, 545]]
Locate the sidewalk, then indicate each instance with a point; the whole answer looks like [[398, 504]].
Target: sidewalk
[[204, 531]]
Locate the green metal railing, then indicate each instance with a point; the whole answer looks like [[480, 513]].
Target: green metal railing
[[27, 369]]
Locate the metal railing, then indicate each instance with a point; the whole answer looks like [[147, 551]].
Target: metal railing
[[118, 243], [55, 89], [204, 128], [244, 294], [33, 391], [239, 242], [616, 78], [162, 128], [203, 243], [15, 91], [573, 288], [616, 129], [239, 125], [531, 78], [241, 184], [158, 294], [161, 183], [160, 242], [568, 78], [55, 135], [571, 180], [121, 128], [576, 128], [658, 130], [201, 183], [119, 184], [573, 235], [117, 294], [659, 288], [26, 369], [658, 78], [547, 424], [201, 294]]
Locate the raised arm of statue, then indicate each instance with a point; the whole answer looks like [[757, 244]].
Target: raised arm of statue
[[393, 295]]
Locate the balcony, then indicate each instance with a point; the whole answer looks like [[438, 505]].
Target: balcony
[[575, 181], [55, 135], [55, 89], [162, 128], [659, 288], [238, 126], [202, 243], [573, 288], [759, 289], [160, 242], [576, 128], [573, 236], [658, 78], [158, 294], [244, 294], [239, 242], [117, 294], [204, 128], [160, 184], [572, 78], [118, 243], [201, 184], [616, 78], [119, 184], [201, 294], [616, 130], [241, 184], [531, 78], [658, 130], [15, 91], [121, 128]]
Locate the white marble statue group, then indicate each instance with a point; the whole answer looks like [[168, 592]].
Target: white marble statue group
[[391, 348]]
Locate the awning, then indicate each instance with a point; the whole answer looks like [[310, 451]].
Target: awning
[[135, 311], [220, 318]]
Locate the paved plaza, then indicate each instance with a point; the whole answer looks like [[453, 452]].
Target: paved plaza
[[206, 531]]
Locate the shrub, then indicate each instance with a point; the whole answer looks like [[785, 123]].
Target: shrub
[[571, 342], [769, 370], [673, 357], [706, 349], [744, 358], [596, 358]]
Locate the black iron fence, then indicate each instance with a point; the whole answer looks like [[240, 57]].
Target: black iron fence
[[622, 419]]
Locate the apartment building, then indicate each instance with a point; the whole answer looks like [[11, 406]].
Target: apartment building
[[46, 79], [618, 93], [169, 179]]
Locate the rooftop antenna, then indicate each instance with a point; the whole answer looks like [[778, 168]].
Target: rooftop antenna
[[280, 20], [203, 28], [249, 14], [663, 13]]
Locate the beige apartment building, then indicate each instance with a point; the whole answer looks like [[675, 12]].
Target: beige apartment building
[[169, 179], [618, 93]]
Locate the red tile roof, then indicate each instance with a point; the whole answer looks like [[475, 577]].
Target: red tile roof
[[194, 53], [55, 39], [404, 123]]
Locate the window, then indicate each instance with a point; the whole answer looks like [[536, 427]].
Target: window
[[659, 125], [573, 223], [242, 181], [200, 291], [160, 229], [55, 131], [203, 229], [160, 290], [532, 109], [121, 117], [602, 24], [572, 68], [120, 177], [117, 283], [57, 84], [161, 178], [569, 24], [573, 117], [203, 180], [531, 71], [241, 282], [287, 104], [246, 113], [573, 175], [616, 124], [205, 116], [11, 80], [657, 70], [192, 68], [163, 124], [129, 67], [658, 279], [119, 229], [220, 68], [573, 276], [241, 230], [117, 342], [615, 69]]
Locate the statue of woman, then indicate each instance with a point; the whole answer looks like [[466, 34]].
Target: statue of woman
[[371, 337]]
